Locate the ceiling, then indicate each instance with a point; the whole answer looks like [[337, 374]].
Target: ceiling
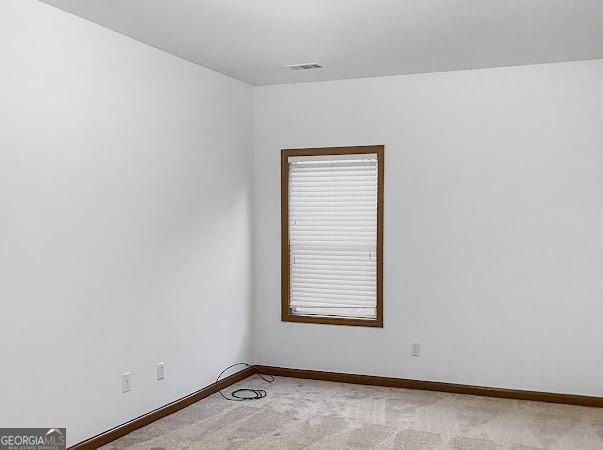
[[253, 40]]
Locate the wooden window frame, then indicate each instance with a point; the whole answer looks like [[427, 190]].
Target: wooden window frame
[[286, 315]]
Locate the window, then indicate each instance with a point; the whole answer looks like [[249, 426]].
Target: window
[[332, 235]]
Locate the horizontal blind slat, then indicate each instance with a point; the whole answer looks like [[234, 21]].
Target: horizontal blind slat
[[367, 289], [328, 276], [333, 165], [334, 258], [338, 299], [334, 272], [334, 284], [356, 313]]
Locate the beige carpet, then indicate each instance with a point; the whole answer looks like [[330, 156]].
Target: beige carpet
[[323, 415]]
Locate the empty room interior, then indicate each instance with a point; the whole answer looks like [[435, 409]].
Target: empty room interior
[[287, 224]]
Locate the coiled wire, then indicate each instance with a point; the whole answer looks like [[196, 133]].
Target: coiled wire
[[243, 394]]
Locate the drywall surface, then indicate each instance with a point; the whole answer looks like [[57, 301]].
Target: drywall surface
[[493, 255], [125, 223]]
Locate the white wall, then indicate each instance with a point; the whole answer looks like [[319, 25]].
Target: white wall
[[124, 222], [493, 224]]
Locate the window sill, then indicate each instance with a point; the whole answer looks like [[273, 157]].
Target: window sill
[[375, 323]]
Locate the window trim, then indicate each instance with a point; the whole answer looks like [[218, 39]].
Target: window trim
[[286, 315]]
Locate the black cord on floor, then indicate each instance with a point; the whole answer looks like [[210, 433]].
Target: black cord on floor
[[245, 393]]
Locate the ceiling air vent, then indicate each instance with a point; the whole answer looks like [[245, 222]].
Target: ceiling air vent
[[307, 66]]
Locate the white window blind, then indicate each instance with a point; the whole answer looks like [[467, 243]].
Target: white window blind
[[333, 235]]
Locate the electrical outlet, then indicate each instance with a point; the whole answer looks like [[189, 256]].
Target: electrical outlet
[[160, 370], [126, 382], [415, 349]]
